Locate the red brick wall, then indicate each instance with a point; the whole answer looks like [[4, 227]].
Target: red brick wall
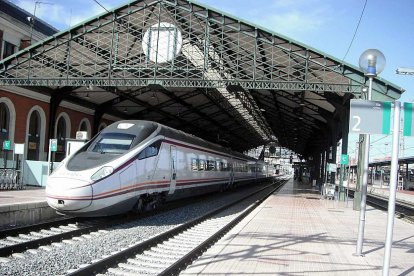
[[75, 119], [23, 105]]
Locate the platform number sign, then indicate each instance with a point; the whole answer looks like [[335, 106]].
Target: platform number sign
[[53, 144], [6, 145], [344, 159], [370, 117]]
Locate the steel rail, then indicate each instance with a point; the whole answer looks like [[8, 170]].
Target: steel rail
[[175, 268], [35, 227], [100, 223], [35, 243], [403, 210], [110, 261]]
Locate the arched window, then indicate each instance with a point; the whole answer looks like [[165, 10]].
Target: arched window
[[34, 136], [4, 121], [4, 131], [85, 125]]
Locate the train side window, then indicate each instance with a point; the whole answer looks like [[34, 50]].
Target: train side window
[[150, 151], [194, 164], [202, 164], [141, 155], [219, 166], [211, 165]]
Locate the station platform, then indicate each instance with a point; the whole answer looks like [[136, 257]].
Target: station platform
[[29, 195], [22, 207], [295, 232]]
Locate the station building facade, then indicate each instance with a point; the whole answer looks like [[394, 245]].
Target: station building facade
[[24, 114]]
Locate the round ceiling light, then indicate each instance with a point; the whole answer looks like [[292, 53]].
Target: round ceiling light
[[162, 42]]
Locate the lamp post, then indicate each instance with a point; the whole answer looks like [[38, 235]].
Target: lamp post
[[371, 62]]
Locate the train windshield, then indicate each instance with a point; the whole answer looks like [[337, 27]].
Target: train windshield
[[113, 143]]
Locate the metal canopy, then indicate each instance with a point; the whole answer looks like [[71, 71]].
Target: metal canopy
[[197, 69]]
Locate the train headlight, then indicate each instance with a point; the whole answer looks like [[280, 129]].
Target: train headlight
[[101, 173]]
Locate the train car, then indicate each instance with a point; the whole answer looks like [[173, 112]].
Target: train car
[[137, 165]]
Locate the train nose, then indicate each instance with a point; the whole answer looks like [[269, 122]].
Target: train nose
[[68, 194]]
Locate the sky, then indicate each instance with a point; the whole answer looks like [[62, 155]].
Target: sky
[[325, 25]]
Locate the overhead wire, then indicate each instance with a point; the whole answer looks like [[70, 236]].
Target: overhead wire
[[387, 136], [356, 30], [100, 5]]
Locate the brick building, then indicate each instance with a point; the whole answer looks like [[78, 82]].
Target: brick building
[[24, 113]]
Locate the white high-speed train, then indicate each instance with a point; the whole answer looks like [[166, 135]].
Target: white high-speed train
[[139, 164]]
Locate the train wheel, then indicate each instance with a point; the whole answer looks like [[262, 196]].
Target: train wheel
[[139, 206]]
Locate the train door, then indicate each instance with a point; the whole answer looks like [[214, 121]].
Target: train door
[[173, 162]]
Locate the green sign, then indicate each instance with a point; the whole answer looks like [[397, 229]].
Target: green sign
[[53, 144], [6, 145], [344, 159], [408, 119]]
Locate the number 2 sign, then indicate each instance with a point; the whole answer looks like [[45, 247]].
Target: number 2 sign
[[370, 117]]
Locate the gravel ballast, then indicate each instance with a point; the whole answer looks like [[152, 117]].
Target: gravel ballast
[[55, 260]]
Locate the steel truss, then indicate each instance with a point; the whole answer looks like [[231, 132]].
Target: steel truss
[[255, 59], [216, 52]]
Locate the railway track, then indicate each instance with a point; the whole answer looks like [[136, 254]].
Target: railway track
[[14, 241], [171, 251], [403, 210], [44, 236]]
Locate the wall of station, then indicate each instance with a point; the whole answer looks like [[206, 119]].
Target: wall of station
[[17, 107]]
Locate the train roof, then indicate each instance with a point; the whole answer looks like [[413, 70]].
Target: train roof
[[145, 128]]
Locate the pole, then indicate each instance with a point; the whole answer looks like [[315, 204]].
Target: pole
[[49, 157], [22, 171], [347, 183], [393, 188], [365, 148], [358, 173], [326, 172], [341, 195]]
